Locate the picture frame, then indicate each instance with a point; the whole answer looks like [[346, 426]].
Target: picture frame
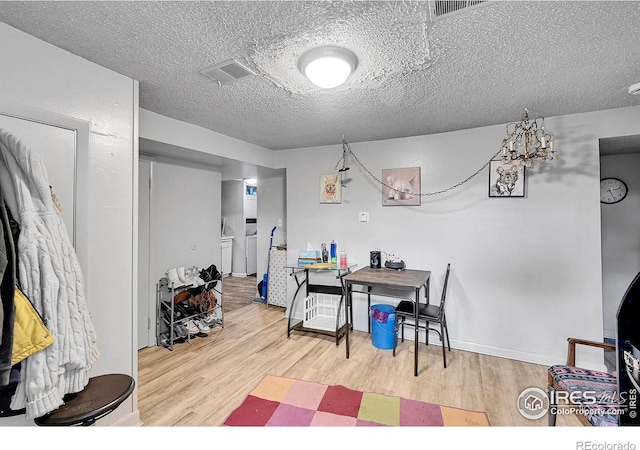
[[330, 188], [506, 180], [401, 187]]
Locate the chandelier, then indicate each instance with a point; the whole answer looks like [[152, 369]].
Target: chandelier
[[528, 143]]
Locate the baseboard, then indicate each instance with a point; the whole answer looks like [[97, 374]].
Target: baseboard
[[238, 274], [534, 358], [130, 420]]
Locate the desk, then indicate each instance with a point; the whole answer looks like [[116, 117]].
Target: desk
[[401, 280], [301, 275]]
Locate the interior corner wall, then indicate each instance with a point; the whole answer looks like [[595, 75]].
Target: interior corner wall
[[48, 78], [620, 236], [526, 272]]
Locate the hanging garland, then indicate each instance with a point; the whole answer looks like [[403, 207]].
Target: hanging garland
[[346, 152]]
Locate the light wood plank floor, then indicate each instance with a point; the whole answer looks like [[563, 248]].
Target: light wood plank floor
[[202, 382], [238, 292]]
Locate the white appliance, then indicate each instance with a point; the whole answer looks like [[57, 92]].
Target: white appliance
[[252, 254], [226, 248]]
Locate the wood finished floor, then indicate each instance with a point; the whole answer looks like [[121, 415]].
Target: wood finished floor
[[202, 382], [238, 292]]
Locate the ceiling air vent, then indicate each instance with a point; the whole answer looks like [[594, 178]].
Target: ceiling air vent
[[439, 8], [227, 72]]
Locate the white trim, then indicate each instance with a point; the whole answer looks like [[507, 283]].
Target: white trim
[[135, 158], [130, 420]]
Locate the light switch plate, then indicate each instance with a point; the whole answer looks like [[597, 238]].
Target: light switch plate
[[363, 216]]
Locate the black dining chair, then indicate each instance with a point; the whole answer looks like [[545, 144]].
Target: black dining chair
[[405, 315]]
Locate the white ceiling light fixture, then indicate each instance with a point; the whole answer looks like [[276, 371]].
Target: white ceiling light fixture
[[634, 89], [328, 67]]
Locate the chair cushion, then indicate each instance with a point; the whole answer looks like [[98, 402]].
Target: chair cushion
[[603, 385], [405, 308]]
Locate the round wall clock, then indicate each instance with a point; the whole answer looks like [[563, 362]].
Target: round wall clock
[[612, 190]]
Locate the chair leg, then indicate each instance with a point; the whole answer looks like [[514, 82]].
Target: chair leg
[[426, 338], [446, 332], [395, 337], [402, 335], [444, 353]]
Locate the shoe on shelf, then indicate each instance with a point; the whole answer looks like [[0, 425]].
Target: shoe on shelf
[[182, 275], [191, 275], [191, 327], [172, 276], [203, 327], [210, 318], [179, 331], [177, 313]]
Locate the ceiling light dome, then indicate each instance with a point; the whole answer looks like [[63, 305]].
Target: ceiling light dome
[[327, 67]]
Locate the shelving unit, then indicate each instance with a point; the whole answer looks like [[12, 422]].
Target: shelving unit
[[325, 308], [167, 315]]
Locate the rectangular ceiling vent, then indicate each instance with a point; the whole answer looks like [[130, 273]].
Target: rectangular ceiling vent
[[441, 8], [227, 72]]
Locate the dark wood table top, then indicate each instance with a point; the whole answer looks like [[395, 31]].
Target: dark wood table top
[[391, 278], [101, 395]]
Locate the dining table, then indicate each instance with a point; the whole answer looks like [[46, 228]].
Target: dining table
[[401, 283]]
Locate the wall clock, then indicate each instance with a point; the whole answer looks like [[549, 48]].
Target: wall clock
[[612, 190]]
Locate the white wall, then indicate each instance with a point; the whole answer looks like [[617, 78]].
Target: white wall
[[185, 217], [620, 236], [39, 75], [526, 272], [156, 127]]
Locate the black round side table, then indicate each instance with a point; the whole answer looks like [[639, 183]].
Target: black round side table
[[101, 396]]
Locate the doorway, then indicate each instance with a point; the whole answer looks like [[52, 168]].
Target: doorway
[[620, 222], [146, 297]]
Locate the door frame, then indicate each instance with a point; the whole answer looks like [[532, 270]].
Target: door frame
[[81, 128]]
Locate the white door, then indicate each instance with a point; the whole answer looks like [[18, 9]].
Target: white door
[[146, 296], [226, 246]]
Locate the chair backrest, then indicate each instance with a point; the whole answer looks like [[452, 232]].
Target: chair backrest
[[444, 290]]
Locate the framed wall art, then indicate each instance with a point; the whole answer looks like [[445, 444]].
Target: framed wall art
[[330, 188], [401, 187], [506, 180]]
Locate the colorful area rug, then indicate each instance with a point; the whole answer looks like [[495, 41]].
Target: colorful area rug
[[280, 401]]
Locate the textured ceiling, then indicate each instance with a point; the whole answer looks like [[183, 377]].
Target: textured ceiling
[[415, 75]]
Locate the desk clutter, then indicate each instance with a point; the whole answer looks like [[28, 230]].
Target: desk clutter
[[392, 261], [323, 258]]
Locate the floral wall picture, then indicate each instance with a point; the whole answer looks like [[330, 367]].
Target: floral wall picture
[[330, 188], [506, 180], [401, 186]]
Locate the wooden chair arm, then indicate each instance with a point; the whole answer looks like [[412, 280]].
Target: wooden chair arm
[[571, 356]]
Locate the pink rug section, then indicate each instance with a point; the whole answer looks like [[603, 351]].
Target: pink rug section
[[284, 402]]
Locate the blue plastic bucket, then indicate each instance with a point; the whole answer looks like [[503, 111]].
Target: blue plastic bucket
[[383, 322]]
